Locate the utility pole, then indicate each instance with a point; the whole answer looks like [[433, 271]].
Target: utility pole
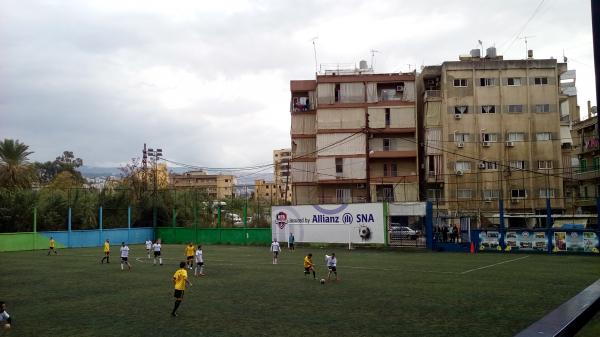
[[595, 4], [145, 168]]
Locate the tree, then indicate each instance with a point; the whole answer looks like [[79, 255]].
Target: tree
[[66, 162], [15, 169]]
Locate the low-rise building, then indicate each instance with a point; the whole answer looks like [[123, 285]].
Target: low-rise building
[[217, 186], [266, 191]]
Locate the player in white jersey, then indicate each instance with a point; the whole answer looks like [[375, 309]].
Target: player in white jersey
[[5, 320], [199, 271], [331, 265], [148, 247], [276, 249], [156, 248], [125, 256]]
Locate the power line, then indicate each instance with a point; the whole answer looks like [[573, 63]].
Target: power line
[[523, 27]]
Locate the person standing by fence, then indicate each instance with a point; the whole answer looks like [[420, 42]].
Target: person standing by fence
[[291, 241], [52, 247], [106, 252]]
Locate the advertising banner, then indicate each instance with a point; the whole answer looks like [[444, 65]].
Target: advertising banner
[[526, 241], [489, 240], [355, 223], [575, 242]]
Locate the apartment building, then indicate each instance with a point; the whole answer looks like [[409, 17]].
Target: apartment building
[[217, 186], [354, 137], [282, 176], [587, 174], [496, 129], [266, 191]]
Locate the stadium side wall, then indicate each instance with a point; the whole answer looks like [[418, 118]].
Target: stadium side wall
[[72, 239], [232, 236]]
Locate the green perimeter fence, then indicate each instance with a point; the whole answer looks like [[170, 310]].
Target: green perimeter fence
[[233, 236]]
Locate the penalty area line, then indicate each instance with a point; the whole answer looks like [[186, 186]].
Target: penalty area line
[[493, 265]]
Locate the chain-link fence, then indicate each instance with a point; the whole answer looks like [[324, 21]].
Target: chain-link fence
[[49, 209]]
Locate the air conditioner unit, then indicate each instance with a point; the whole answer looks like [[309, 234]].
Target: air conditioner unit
[[460, 145], [459, 173], [400, 88], [486, 144], [510, 144], [482, 165], [360, 186], [514, 200], [457, 116], [487, 200]]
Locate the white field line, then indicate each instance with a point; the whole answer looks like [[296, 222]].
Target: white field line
[[495, 264]]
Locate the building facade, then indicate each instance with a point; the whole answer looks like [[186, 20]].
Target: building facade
[[354, 138], [587, 174], [496, 130], [282, 175], [266, 191], [217, 186]]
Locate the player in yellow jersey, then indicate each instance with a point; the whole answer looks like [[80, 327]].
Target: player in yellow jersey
[[189, 254], [52, 245], [309, 266], [180, 280], [106, 252]]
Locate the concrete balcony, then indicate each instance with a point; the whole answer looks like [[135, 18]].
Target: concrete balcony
[[587, 175], [432, 95]]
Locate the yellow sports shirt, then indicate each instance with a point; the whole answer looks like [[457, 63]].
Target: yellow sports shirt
[[52, 243], [307, 262], [106, 247], [179, 277], [189, 251]]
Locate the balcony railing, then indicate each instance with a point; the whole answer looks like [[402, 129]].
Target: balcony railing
[[432, 94], [588, 174]]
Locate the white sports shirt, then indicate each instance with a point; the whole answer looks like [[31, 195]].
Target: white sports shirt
[[148, 244], [199, 258], [156, 247], [4, 316], [331, 261], [124, 251], [275, 246]]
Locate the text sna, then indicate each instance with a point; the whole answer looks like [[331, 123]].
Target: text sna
[[365, 218]]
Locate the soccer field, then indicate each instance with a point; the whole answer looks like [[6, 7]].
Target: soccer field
[[381, 293]]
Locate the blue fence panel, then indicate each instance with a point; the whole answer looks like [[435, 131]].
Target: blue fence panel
[[95, 237]]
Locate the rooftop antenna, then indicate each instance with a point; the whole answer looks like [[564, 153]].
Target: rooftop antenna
[[315, 50], [564, 57], [526, 49], [481, 45], [373, 51]]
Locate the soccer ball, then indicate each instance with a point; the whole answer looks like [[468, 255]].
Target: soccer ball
[[322, 281]]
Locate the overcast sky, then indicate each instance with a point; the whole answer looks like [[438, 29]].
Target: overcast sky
[[208, 81]]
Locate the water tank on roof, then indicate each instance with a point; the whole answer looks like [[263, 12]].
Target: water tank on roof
[[475, 53], [363, 65], [530, 53], [490, 52]]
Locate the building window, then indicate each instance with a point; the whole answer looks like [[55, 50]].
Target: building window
[[583, 165], [542, 108], [394, 168], [596, 163], [386, 144], [339, 166], [387, 117], [545, 164], [517, 165], [461, 137], [434, 194], [543, 136], [514, 81], [488, 109], [516, 137], [489, 137], [491, 194], [489, 165], [464, 194], [385, 170], [461, 109], [515, 108], [343, 195], [518, 194], [460, 82], [547, 193], [540, 80], [226, 180], [487, 82], [462, 166]]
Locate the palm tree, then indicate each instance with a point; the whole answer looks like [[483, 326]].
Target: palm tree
[[15, 169]]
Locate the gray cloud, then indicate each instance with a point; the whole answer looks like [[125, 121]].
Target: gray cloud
[[209, 82]]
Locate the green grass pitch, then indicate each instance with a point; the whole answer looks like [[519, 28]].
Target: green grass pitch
[[381, 293]]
